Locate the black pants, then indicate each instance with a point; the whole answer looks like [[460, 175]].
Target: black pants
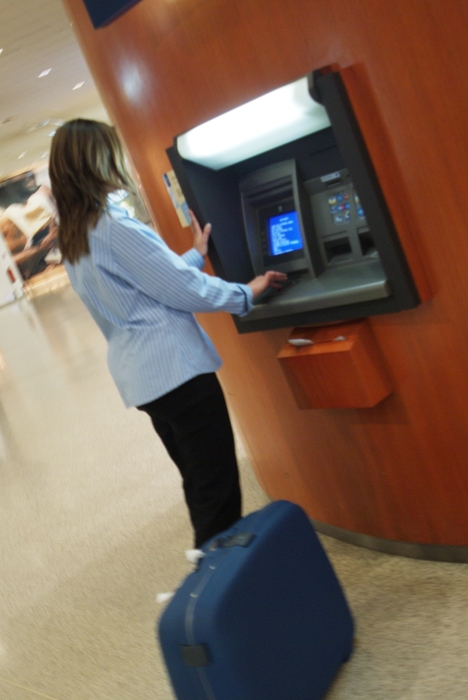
[[194, 425]]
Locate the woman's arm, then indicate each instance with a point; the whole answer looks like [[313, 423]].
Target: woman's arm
[[144, 261], [200, 245]]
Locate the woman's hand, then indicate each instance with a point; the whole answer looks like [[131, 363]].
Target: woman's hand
[[200, 238], [269, 279]]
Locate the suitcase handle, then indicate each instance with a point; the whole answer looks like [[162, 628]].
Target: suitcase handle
[[240, 539]]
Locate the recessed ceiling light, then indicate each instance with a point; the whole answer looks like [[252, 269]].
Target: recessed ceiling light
[[22, 155], [44, 72], [78, 85], [43, 124]]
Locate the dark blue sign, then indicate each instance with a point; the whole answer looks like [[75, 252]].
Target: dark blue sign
[[103, 12]]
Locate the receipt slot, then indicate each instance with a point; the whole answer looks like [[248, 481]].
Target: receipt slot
[[292, 188]]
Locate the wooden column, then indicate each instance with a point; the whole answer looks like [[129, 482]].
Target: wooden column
[[398, 470]]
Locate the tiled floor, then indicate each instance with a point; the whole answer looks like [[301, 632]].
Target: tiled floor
[[93, 526]]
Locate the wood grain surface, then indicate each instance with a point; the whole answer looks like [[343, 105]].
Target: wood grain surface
[[342, 367]]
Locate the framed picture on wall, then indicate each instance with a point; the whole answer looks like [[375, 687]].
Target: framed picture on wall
[[28, 222]]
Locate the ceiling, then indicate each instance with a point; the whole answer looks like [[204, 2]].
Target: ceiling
[[36, 35]]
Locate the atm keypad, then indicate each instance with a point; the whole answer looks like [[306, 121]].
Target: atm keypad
[[339, 205]]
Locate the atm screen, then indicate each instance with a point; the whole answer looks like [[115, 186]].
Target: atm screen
[[284, 235]]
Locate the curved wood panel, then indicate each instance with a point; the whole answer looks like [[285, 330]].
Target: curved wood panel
[[397, 470]]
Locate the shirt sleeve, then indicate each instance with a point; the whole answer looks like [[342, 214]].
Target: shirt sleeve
[[143, 260], [193, 258]]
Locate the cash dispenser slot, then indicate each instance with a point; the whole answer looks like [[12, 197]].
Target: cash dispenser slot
[[367, 243], [338, 250]]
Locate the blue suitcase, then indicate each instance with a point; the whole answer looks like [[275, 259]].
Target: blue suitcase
[[263, 617]]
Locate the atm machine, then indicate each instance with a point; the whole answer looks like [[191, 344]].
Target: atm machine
[[288, 184]]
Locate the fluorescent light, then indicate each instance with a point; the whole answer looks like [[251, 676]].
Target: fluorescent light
[[271, 120], [52, 133], [1, 50], [22, 154], [44, 155], [78, 85], [44, 72]]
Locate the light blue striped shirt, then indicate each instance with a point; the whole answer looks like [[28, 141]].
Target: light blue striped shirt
[[143, 296]]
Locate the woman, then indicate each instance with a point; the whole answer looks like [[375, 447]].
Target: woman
[[143, 297]]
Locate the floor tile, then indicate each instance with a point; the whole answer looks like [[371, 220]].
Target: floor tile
[[13, 691]]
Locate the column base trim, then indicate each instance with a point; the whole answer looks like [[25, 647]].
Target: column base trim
[[431, 552]]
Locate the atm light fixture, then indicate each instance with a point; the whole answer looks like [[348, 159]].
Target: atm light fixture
[[283, 115]]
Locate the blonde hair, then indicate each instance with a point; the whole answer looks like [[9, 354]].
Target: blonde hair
[[86, 164]]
